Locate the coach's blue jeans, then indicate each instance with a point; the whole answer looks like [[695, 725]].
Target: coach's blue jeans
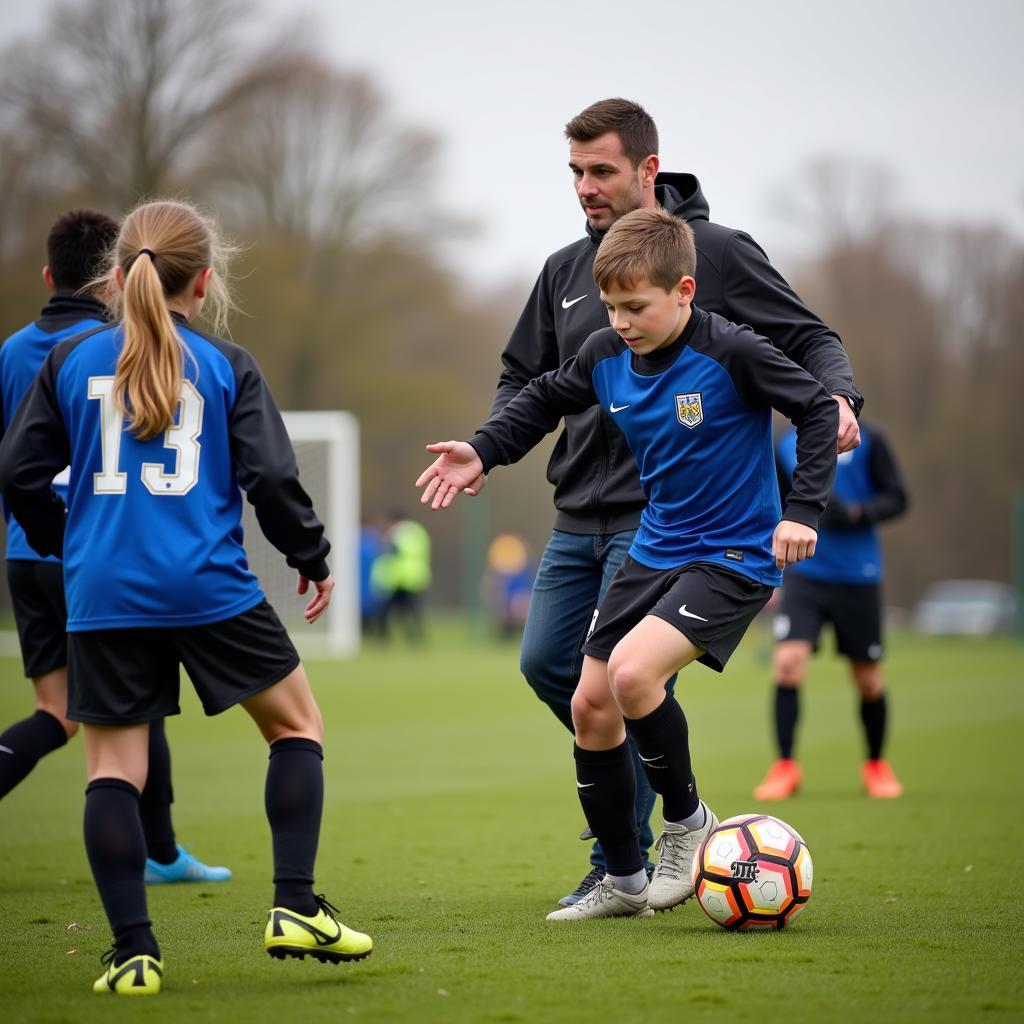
[[571, 580]]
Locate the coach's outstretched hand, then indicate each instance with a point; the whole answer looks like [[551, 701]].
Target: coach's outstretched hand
[[321, 597], [457, 468]]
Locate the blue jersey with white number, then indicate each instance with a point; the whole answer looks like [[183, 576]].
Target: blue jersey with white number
[[22, 354], [697, 417], [153, 534]]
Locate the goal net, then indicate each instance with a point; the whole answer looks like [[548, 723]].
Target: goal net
[[327, 448]]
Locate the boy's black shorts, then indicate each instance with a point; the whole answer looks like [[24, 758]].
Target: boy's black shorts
[[127, 676], [712, 607], [37, 593], [854, 609]]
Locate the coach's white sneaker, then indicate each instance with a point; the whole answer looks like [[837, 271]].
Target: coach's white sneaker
[[677, 845], [604, 900]]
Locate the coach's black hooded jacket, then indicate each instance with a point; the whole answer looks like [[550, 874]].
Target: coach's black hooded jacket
[[597, 485]]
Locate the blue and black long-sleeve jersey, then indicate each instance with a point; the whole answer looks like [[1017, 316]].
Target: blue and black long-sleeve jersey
[[696, 416], [596, 485], [152, 531], [65, 315], [868, 490]]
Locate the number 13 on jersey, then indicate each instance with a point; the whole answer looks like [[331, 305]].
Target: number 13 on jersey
[[181, 436]]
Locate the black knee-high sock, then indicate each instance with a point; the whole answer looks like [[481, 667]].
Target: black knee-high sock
[[787, 713], [24, 743], [663, 741], [606, 785], [157, 797], [117, 855], [294, 800], [873, 714]]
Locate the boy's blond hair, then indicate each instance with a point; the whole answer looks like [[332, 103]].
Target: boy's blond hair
[[649, 243]]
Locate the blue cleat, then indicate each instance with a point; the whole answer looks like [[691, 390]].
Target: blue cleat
[[185, 869]]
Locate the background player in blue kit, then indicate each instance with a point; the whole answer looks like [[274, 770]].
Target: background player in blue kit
[[162, 425], [75, 248], [613, 158], [840, 585], [693, 395]]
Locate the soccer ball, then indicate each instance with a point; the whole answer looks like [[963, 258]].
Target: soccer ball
[[753, 871]]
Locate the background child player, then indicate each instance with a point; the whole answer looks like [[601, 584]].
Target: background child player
[[693, 395], [75, 248], [841, 585], [161, 424]]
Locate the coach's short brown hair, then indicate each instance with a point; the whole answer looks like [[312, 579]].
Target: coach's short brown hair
[[650, 243], [633, 125]]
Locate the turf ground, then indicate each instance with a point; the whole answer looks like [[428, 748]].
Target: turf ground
[[450, 827]]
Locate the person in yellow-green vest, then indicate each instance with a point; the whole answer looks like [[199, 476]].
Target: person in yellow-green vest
[[403, 573]]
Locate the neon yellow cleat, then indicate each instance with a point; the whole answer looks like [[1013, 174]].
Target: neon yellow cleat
[[322, 936], [137, 976]]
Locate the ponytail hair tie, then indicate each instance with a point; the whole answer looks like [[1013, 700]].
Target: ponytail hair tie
[[148, 252]]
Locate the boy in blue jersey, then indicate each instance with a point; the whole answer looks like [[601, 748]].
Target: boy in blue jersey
[[75, 247], [163, 427], [841, 585], [693, 395]]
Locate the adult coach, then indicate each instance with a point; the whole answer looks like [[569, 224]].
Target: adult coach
[[75, 247], [613, 156], [840, 584]]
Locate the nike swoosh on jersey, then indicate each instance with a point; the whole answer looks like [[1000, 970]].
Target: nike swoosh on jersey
[[566, 303], [690, 615], [617, 408]]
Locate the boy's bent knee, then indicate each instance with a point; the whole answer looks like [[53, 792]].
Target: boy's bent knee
[[631, 685]]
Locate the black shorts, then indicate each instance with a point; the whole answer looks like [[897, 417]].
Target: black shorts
[[37, 593], [127, 676], [854, 609], [712, 607]]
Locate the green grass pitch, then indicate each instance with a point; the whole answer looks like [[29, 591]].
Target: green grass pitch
[[450, 828]]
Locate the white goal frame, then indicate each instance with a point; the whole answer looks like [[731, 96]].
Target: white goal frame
[[340, 432]]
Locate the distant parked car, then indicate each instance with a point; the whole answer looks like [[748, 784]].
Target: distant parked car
[[967, 608]]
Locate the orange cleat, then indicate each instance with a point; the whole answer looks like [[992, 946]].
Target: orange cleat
[[782, 781], [879, 780]]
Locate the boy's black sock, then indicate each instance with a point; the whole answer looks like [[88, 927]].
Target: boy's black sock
[[294, 798], [24, 743], [787, 712], [117, 855], [157, 797], [606, 786], [873, 714], [662, 740]]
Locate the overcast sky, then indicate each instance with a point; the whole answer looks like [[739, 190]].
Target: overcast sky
[[745, 94]]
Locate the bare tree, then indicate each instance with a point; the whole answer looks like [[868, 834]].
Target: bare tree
[[120, 95], [320, 158]]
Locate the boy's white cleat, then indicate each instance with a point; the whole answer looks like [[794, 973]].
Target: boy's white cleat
[[604, 900], [678, 845]]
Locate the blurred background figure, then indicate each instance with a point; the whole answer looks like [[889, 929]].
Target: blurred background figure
[[372, 599], [507, 583], [841, 584], [402, 572]]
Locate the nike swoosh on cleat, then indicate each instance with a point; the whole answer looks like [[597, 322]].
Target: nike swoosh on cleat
[[690, 615], [566, 303], [322, 938], [617, 408]]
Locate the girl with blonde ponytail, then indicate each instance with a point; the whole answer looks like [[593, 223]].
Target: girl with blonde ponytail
[[162, 423]]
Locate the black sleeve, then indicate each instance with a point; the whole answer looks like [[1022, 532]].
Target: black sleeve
[[35, 448], [758, 295], [268, 473], [764, 376], [536, 411], [532, 349], [890, 498]]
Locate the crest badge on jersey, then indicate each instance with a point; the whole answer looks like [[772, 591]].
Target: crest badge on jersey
[[689, 410]]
